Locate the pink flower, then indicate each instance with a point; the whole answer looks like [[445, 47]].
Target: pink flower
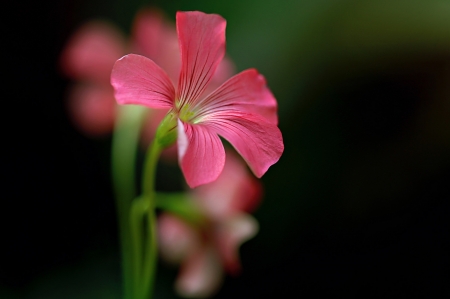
[[242, 110], [89, 57], [206, 252]]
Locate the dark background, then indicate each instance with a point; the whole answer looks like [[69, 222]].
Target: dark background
[[357, 206]]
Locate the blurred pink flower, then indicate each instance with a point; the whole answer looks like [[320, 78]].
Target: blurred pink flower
[[242, 110], [88, 58], [206, 252]]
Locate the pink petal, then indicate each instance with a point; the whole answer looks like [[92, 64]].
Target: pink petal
[[177, 240], [201, 275], [235, 191], [202, 43], [249, 190], [230, 235], [259, 142], [201, 154], [92, 108], [246, 92], [90, 54], [138, 80]]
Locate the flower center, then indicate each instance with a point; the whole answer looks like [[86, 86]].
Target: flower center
[[185, 113]]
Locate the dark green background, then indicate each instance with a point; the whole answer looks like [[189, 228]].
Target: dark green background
[[358, 204]]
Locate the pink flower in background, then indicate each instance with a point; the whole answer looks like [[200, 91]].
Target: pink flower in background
[[242, 110], [88, 58], [206, 252]]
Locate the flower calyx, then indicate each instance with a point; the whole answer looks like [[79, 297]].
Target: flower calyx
[[167, 133]]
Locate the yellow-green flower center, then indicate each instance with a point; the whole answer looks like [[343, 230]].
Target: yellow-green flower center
[[185, 113]]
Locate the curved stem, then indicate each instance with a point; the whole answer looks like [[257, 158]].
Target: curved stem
[[151, 247], [123, 158]]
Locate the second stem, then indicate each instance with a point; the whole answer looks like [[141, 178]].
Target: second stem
[[150, 252]]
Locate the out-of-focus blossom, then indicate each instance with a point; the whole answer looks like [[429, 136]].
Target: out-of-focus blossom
[[242, 110], [88, 58], [205, 251]]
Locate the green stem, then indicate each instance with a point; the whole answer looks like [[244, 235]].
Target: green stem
[[151, 246], [182, 205], [123, 158], [139, 208]]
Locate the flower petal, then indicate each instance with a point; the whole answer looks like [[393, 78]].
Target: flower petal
[[259, 142], [202, 44], [201, 154], [230, 235], [90, 54], [177, 240], [235, 191], [246, 92], [138, 80], [92, 108], [200, 275]]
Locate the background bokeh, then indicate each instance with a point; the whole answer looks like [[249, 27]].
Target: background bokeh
[[357, 206]]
